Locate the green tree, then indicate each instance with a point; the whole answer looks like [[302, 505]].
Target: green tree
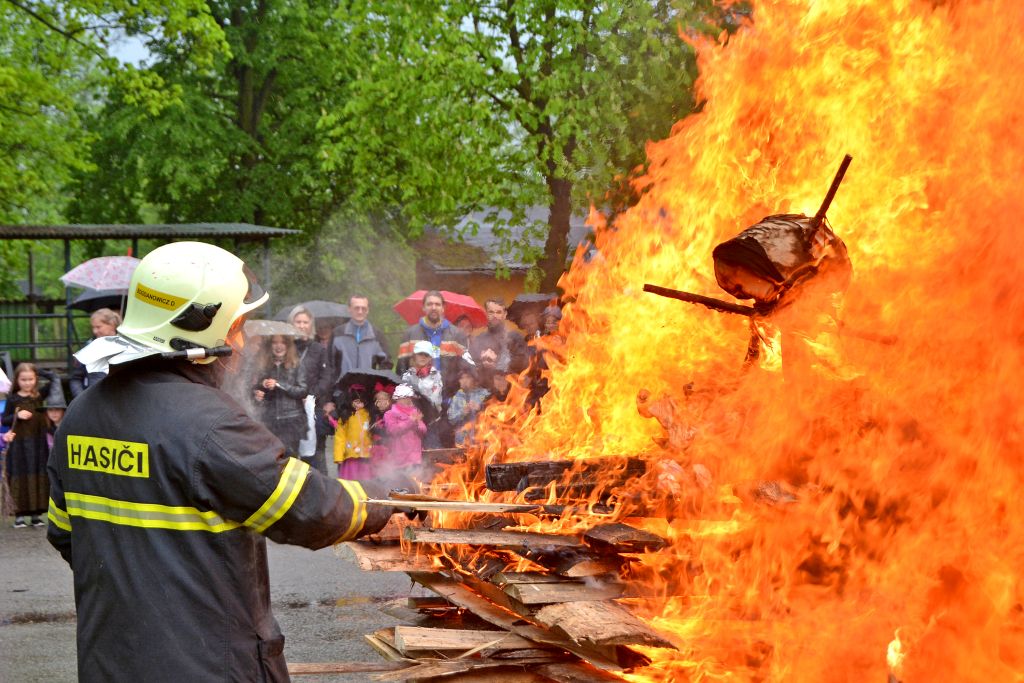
[[468, 105], [56, 63], [240, 143], [55, 66]]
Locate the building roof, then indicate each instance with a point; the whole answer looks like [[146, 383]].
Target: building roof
[[481, 252], [158, 230]]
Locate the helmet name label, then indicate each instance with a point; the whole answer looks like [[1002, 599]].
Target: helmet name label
[[110, 456], [160, 299]]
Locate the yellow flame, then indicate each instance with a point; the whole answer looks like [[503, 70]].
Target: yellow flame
[[892, 431]]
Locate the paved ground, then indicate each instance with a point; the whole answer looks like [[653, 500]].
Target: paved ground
[[323, 602]]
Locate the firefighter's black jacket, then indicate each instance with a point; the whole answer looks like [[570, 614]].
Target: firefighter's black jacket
[[162, 490]]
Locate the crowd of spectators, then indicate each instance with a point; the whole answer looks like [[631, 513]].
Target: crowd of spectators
[[341, 383], [327, 381]]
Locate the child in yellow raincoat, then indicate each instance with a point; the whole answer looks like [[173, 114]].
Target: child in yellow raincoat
[[352, 438]]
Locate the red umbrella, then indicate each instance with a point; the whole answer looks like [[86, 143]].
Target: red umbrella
[[455, 306]]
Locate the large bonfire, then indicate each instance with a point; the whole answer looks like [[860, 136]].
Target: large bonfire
[[890, 441]]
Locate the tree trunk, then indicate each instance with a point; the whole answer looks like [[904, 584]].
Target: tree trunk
[[556, 249]]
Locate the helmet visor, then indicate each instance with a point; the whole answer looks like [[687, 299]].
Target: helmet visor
[[255, 292]]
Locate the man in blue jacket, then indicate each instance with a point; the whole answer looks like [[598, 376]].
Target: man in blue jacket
[[450, 345]]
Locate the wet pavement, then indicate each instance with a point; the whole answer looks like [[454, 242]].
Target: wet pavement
[[323, 602]]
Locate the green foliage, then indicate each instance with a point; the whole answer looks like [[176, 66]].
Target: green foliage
[[55, 65], [360, 123], [239, 142], [42, 85], [56, 62], [459, 106]]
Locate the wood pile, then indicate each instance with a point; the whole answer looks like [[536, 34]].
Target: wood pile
[[558, 620]]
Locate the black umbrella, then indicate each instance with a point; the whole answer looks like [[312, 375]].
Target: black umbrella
[[94, 299], [321, 310], [368, 378], [529, 303]]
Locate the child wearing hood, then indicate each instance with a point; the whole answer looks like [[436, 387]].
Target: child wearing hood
[[54, 405], [466, 404], [404, 430], [428, 384], [352, 437]]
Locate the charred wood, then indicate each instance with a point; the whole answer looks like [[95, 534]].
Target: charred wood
[[573, 561], [622, 538], [512, 540], [707, 301], [518, 476]]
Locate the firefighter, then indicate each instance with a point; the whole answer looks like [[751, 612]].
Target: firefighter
[[163, 490]]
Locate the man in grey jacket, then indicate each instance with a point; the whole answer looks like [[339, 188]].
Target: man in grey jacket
[[356, 344]]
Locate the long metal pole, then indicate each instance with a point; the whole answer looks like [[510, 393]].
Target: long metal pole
[[67, 305], [266, 272], [33, 329]]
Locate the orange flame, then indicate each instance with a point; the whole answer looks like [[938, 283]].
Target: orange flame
[[905, 539]]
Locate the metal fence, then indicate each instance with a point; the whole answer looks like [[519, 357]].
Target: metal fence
[[38, 332]]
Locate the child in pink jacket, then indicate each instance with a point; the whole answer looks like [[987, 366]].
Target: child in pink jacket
[[404, 430]]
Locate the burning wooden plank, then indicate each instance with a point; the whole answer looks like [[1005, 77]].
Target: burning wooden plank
[[570, 591], [464, 596], [582, 566], [539, 588], [471, 507], [443, 456], [428, 603], [511, 540], [584, 474], [599, 623], [321, 668], [506, 578], [622, 538]]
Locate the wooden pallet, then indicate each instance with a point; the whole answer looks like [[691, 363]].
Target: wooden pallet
[[559, 621]]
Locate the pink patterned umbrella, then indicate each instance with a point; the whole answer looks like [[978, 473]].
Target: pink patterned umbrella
[[104, 272]]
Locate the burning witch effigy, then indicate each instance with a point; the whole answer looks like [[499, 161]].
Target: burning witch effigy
[[845, 505]]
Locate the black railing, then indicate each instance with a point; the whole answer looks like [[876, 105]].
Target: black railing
[[38, 332]]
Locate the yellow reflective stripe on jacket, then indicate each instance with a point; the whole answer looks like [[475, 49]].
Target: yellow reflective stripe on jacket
[[146, 515], [355, 491], [280, 501], [58, 516]]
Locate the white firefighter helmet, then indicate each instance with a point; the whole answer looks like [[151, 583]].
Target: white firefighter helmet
[[187, 295]]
